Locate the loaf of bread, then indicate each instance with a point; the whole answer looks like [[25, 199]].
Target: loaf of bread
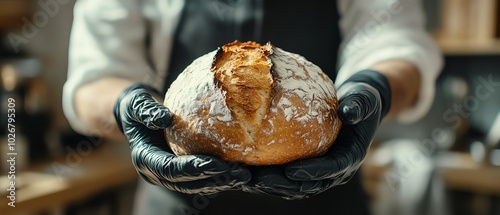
[[254, 104]]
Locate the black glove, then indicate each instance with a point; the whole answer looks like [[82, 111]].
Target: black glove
[[364, 99], [142, 120]]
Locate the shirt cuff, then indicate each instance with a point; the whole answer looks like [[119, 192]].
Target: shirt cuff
[[69, 90]]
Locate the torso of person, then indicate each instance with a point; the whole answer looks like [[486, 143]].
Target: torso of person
[[308, 28]]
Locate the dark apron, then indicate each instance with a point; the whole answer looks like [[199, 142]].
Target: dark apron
[[309, 28]]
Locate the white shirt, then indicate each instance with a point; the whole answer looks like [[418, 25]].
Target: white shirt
[[107, 39]]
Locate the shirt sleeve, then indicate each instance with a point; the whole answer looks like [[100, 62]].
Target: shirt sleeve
[[107, 39], [378, 30]]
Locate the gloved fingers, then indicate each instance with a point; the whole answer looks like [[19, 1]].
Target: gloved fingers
[[299, 190], [221, 182], [358, 101], [217, 183], [346, 178], [272, 181], [165, 165], [315, 169], [340, 159], [141, 135], [143, 108], [276, 192], [194, 167]]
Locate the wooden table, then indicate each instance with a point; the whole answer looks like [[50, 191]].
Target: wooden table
[[41, 189], [108, 166], [461, 172]]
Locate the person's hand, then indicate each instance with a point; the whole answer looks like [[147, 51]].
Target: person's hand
[[142, 120], [364, 99]]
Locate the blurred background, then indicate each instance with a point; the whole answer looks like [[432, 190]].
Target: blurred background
[[446, 163]]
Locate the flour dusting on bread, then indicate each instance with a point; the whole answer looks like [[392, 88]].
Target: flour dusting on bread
[[252, 103]]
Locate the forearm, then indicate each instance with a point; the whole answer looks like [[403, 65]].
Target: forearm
[[404, 79], [94, 105]]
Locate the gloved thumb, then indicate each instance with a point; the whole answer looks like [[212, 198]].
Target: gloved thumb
[[358, 102], [364, 95], [147, 111], [137, 105]]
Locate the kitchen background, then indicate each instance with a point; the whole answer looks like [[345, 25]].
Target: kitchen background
[[446, 163]]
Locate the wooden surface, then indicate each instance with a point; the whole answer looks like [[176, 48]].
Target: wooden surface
[[468, 47], [41, 189], [468, 27], [108, 166], [459, 171], [13, 11]]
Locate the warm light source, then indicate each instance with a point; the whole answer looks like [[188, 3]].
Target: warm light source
[[8, 73]]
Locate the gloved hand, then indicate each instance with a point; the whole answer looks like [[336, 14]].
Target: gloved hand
[[364, 99], [142, 121]]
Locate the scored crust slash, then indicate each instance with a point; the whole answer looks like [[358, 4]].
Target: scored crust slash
[[254, 104]]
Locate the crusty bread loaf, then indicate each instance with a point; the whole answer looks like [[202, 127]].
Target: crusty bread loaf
[[254, 104]]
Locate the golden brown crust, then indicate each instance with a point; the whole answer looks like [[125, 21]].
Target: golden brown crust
[[244, 75], [253, 104]]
